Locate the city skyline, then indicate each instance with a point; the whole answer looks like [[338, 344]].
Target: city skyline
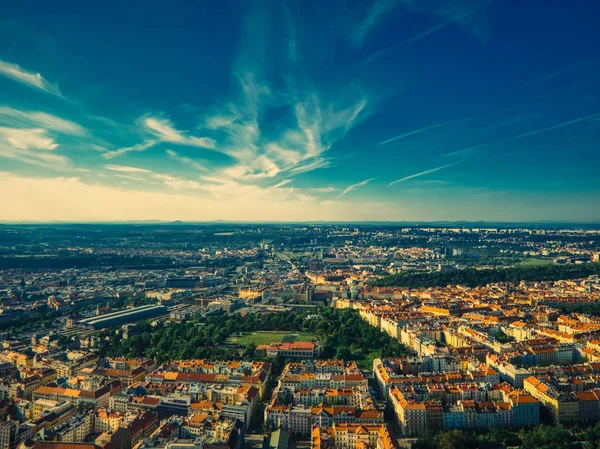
[[265, 111]]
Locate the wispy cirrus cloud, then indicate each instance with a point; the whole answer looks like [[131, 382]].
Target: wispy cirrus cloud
[[28, 139], [126, 169], [293, 35], [276, 128], [214, 186], [323, 189], [28, 78], [185, 160], [313, 125], [31, 146], [138, 147], [177, 182], [376, 14], [71, 198], [280, 184], [14, 117], [42, 159], [358, 185], [423, 173], [164, 131], [470, 15], [161, 130], [144, 175]]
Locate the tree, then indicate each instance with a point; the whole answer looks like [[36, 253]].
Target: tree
[[343, 353], [546, 437], [473, 277], [249, 350], [457, 439], [500, 436]]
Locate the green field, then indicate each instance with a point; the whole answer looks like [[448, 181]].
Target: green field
[[535, 262], [264, 338]]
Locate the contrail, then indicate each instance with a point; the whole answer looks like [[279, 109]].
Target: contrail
[[412, 40], [417, 131], [417, 37], [420, 130], [560, 125], [426, 172], [562, 71], [530, 133], [355, 186]]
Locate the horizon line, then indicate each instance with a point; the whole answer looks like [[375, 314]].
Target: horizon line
[[413, 223]]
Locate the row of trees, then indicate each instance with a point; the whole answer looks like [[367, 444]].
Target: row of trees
[[473, 278], [589, 308], [342, 333], [539, 437], [61, 262]]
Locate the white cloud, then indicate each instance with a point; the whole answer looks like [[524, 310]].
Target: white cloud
[[185, 160], [13, 117], [314, 125], [31, 146], [209, 185], [71, 199], [126, 169], [144, 175], [164, 130], [61, 198], [176, 182], [138, 178], [31, 79], [323, 189], [219, 121], [280, 184], [261, 167], [135, 148], [310, 165], [26, 139], [42, 159]]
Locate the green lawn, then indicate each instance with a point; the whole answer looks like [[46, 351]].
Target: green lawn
[[264, 338], [535, 262]]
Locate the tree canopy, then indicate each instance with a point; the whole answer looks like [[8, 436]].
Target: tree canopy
[[472, 277], [342, 333]]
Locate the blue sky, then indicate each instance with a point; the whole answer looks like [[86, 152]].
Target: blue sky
[[300, 110]]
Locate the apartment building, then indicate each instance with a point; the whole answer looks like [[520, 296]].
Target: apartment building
[[352, 436], [299, 349], [99, 397], [563, 406]]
